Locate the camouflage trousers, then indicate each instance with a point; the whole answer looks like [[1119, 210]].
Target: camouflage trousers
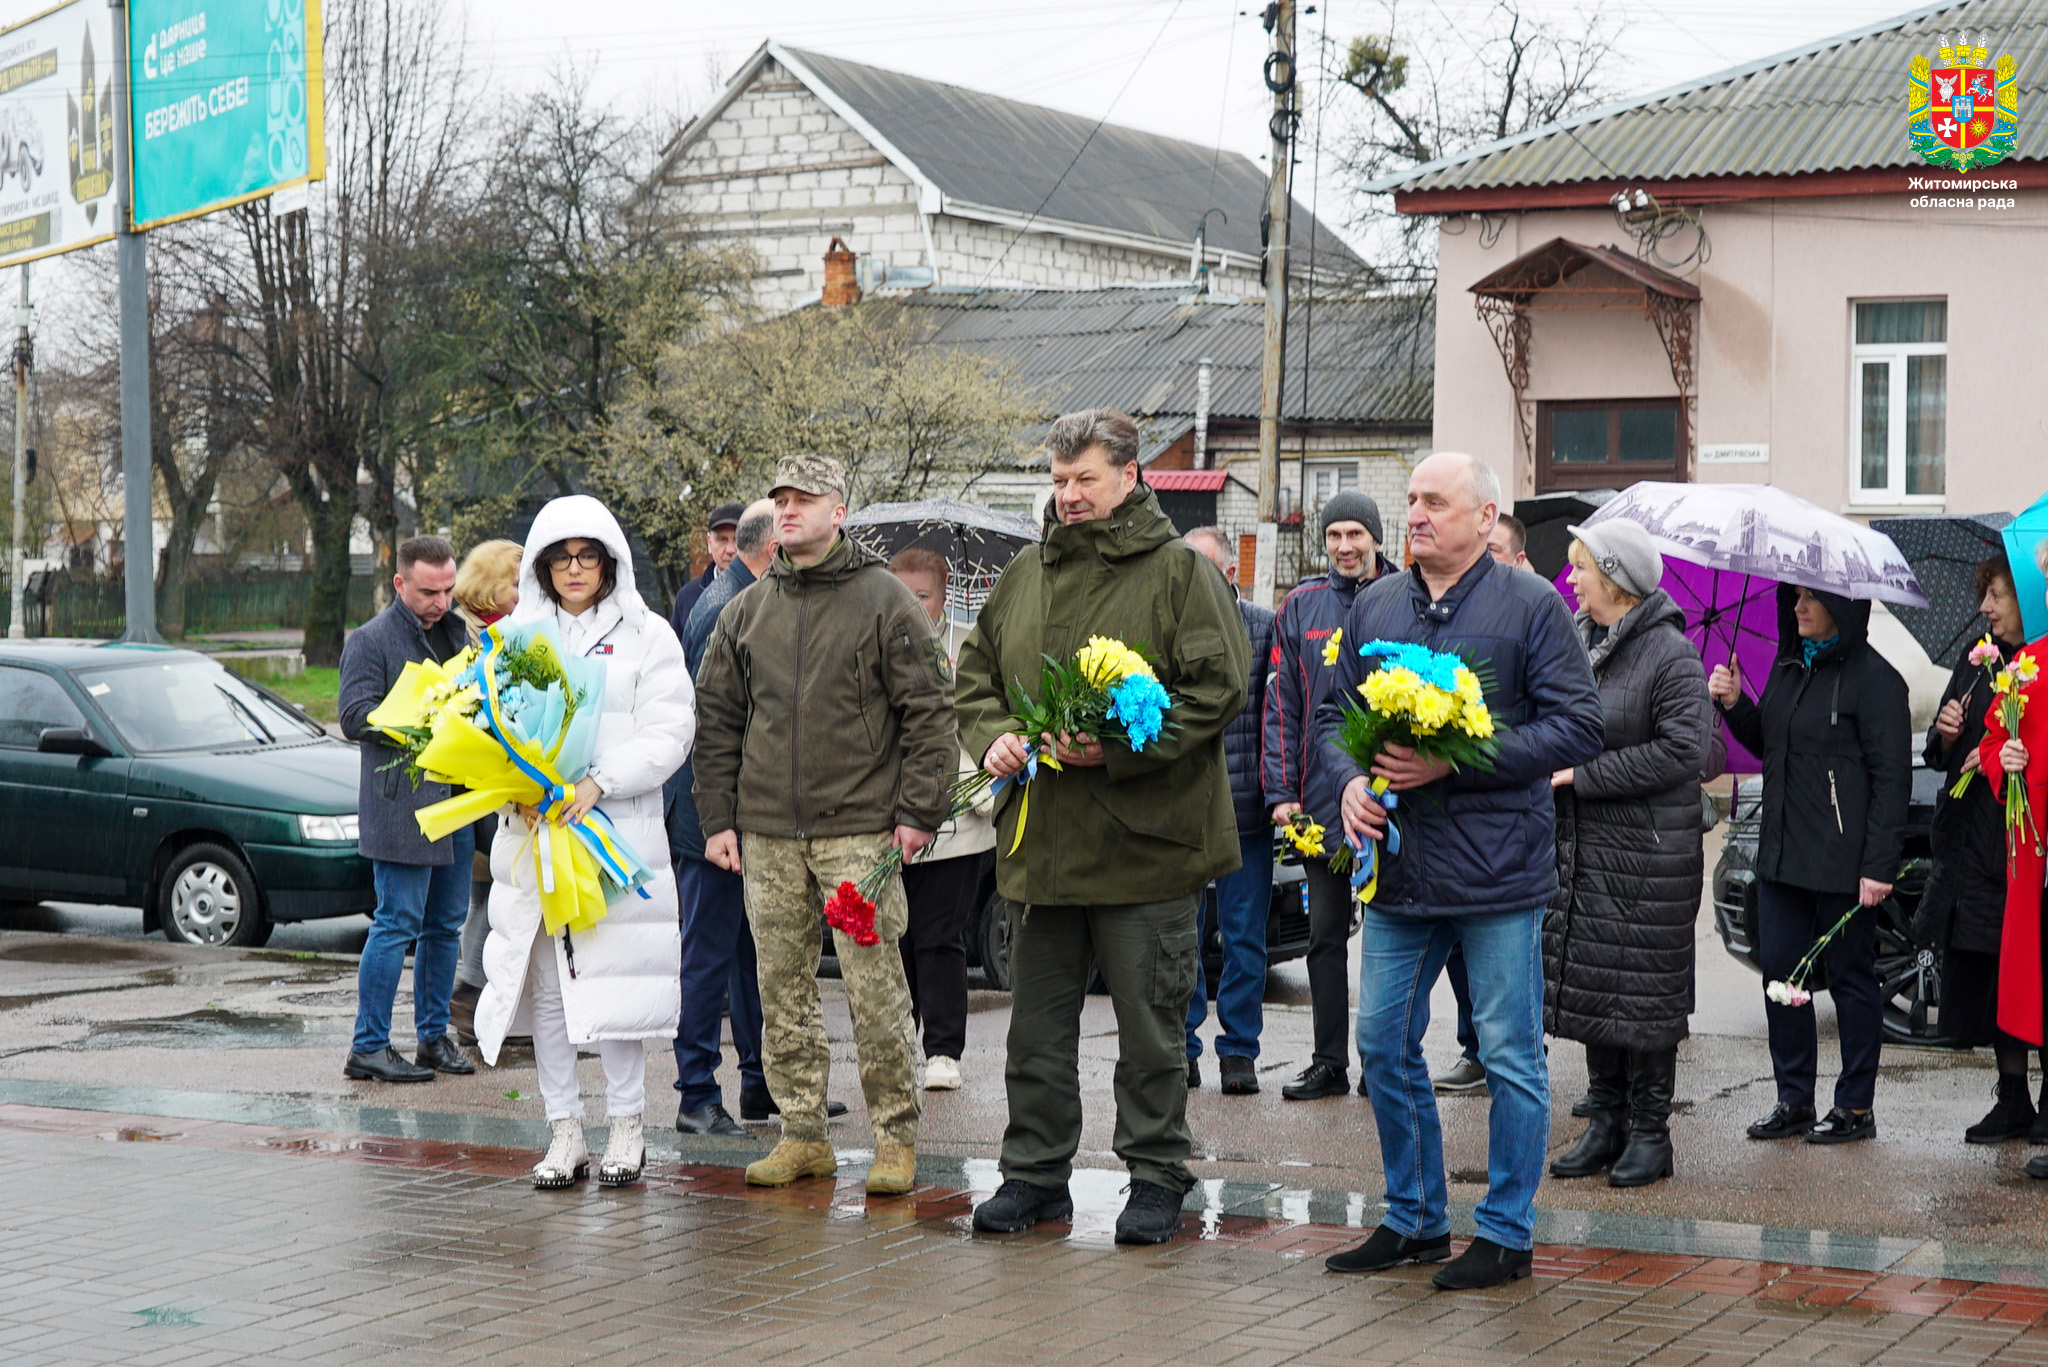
[[787, 884]]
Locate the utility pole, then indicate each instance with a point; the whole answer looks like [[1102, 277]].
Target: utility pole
[[1280, 73], [17, 625], [138, 537]]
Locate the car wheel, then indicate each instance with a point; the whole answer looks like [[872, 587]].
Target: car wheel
[[209, 897], [1909, 982], [995, 942]]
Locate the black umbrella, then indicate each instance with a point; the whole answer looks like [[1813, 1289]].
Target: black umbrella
[[977, 542], [1546, 516], [1944, 552]]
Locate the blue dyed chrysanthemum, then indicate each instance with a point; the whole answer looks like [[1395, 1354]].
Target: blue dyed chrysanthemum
[[1139, 704], [1433, 667]]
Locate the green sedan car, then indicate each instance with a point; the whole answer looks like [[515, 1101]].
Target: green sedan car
[[152, 777]]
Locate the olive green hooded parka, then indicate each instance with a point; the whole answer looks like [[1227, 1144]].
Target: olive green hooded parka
[[1144, 827]]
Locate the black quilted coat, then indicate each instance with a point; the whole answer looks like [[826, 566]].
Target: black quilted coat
[[1618, 941]]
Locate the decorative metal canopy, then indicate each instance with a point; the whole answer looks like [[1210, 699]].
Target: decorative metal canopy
[[1557, 272]]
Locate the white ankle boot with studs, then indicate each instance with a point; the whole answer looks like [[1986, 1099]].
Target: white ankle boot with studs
[[625, 1153], [567, 1161]]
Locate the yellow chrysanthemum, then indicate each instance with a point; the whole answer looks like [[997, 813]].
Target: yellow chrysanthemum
[[1105, 662], [1433, 709], [1330, 647], [1477, 722], [1469, 691], [1392, 692]]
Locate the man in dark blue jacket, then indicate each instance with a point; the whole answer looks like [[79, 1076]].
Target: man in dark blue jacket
[[721, 543], [1309, 621], [1244, 898], [1477, 866], [422, 884]]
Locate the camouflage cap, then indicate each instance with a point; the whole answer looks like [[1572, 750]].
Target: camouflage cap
[[812, 474]]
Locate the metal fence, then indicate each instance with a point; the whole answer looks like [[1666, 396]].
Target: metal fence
[[97, 608]]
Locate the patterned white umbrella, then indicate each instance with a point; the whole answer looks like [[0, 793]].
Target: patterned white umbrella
[[1762, 531]]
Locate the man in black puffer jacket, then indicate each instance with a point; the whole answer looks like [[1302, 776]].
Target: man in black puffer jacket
[[1477, 866], [1834, 731], [1243, 898]]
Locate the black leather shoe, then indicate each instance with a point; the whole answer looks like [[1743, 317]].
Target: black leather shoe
[[1194, 1074], [2037, 1166], [1843, 1127], [1583, 1107], [443, 1056], [1317, 1080], [760, 1105], [1020, 1205], [1151, 1215], [1484, 1263], [712, 1119], [1387, 1249], [1783, 1122], [1240, 1076], [386, 1065]]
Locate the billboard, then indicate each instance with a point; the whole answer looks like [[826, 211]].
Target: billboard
[[226, 102], [57, 132]]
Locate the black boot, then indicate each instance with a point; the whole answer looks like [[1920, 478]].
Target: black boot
[[1652, 1074], [2010, 1117], [2038, 1132], [1607, 1130]]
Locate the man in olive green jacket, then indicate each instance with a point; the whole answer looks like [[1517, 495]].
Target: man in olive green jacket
[[824, 737], [1119, 844]]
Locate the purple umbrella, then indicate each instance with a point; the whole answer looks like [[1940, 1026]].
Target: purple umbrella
[[1726, 614]]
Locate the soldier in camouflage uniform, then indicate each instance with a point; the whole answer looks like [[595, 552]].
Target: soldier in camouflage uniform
[[825, 737]]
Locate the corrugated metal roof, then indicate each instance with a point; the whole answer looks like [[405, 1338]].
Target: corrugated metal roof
[[1837, 105], [1187, 481], [1005, 154], [1369, 361]]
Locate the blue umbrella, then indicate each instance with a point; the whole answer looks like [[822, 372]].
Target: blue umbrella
[[2023, 535]]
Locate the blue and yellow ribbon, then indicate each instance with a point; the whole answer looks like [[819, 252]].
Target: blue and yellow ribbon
[[497, 766], [1365, 865], [1022, 778]]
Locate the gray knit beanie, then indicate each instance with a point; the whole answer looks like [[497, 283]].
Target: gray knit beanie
[[1625, 553], [1348, 505]]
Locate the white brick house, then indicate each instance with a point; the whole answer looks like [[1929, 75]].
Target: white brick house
[[934, 184]]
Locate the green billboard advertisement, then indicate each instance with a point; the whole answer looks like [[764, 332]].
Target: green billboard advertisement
[[226, 102]]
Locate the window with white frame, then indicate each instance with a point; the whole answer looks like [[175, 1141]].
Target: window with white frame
[[1898, 396], [1323, 479]]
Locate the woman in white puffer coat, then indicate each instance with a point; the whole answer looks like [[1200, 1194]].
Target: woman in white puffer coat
[[617, 984]]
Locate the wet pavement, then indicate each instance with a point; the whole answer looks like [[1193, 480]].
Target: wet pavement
[[164, 1097]]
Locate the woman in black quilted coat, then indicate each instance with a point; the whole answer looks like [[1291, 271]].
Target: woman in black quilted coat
[[1618, 942]]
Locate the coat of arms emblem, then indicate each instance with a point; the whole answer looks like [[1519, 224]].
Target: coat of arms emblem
[[1961, 108]]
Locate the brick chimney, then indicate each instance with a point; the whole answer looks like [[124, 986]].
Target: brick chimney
[[842, 287]]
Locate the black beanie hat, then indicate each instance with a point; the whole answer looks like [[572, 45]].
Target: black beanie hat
[[1348, 505]]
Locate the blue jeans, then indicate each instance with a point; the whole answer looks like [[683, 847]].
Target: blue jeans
[[1242, 901], [420, 907], [1399, 960], [718, 974]]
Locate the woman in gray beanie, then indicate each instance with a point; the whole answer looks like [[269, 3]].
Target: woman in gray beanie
[[1618, 942]]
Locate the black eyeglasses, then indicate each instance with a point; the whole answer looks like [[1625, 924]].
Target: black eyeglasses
[[589, 558]]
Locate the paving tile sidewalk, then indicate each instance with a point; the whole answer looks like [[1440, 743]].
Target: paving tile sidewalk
[[145, 1239]]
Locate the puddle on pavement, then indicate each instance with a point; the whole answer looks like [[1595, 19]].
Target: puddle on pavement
[[155, 977], [138, 1134], [75, 951], [166, 1317], [317, 1143], [211, 1028], [340, 996]]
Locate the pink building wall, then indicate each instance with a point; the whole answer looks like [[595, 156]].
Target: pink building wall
[[1772, 341]]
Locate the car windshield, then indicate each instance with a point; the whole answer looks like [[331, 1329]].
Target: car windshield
[[189, 704]]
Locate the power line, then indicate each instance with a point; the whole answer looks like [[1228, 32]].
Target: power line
[[1083, 148]]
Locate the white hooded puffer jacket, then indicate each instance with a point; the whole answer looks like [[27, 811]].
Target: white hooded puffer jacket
[[627, 968]]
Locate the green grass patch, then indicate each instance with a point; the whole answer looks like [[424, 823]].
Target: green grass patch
[[315, 690]]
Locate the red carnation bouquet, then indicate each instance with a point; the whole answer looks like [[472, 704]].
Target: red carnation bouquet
[[852, 907]]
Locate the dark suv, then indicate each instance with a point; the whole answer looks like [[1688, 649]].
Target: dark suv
[[1908, 970]]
